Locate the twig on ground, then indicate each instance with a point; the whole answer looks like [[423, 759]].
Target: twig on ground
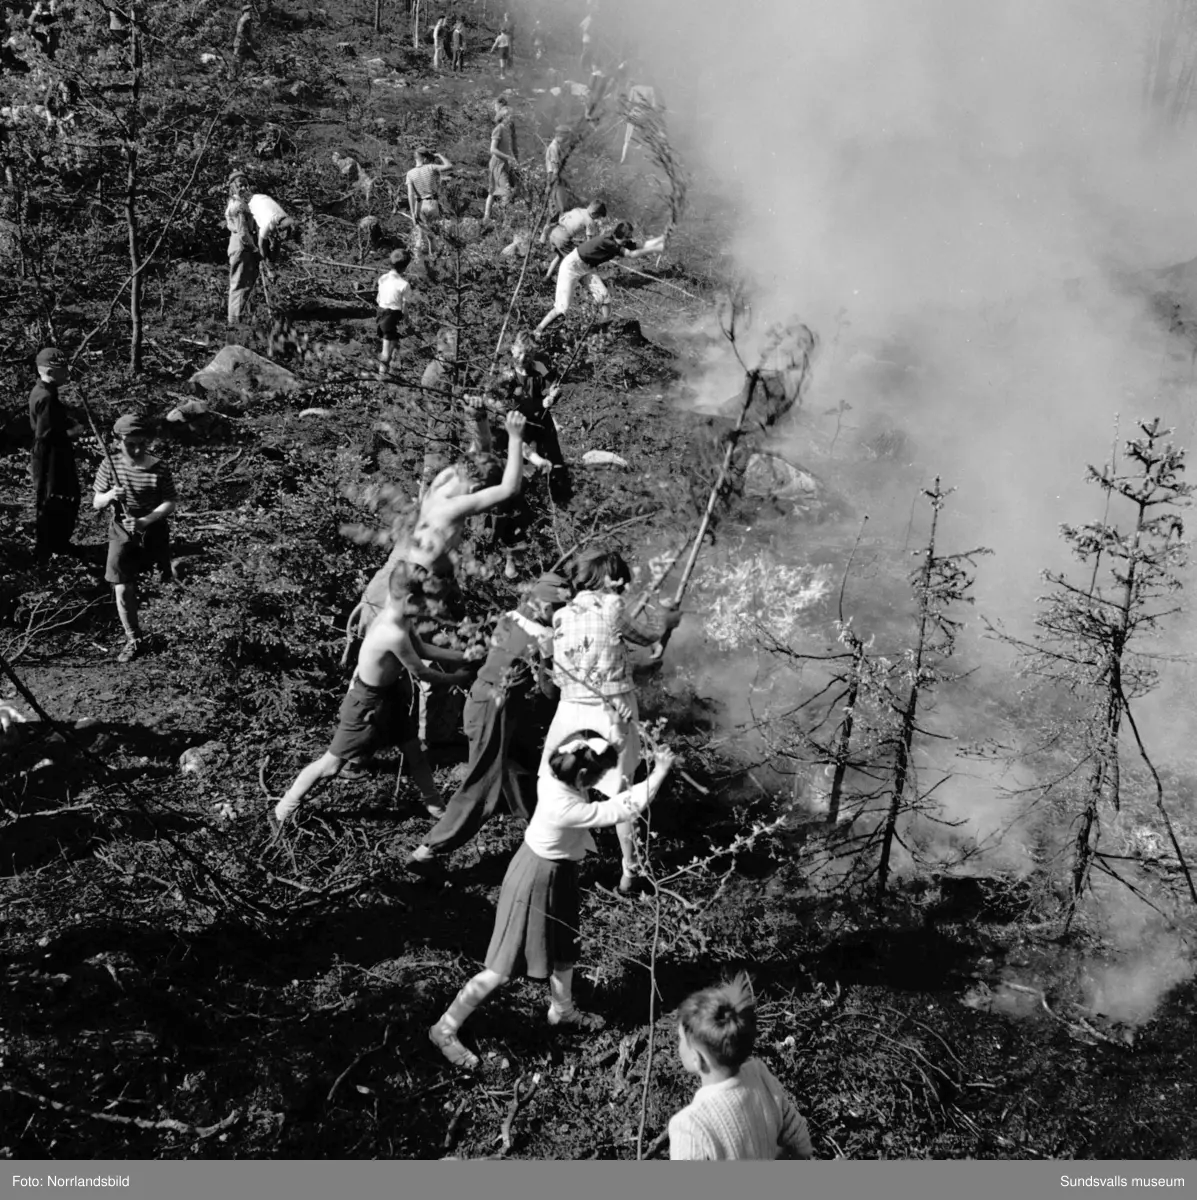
[[166, 1123], [518, 1100], [455, 1124], [332, 1091]]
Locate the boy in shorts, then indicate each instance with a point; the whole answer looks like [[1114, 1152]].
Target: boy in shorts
[[380, 707], [143, 493], [393, 294]]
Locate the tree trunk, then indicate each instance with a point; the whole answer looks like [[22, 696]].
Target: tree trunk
[[910, 712], [843, 747], [377, 16], [135, 289]]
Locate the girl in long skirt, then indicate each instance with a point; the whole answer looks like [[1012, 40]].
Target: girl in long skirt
[[536, 925]]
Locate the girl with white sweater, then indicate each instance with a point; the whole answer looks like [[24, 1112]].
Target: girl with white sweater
[[536, 924]]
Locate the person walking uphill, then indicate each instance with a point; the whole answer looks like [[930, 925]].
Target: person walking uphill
[[503, 723], [141, 492], [536, 923], [52, 467], [380, 707], [394, 292], [504, 160]]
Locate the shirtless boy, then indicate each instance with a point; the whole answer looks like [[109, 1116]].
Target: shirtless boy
[[380, 707], [452, 500]]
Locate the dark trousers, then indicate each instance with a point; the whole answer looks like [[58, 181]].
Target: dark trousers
[[55, 525], [503, 743]]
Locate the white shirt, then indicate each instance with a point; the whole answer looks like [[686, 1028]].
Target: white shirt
[[266, 213], [749, 1115], [579, 224], [393, 290], [560, 826]]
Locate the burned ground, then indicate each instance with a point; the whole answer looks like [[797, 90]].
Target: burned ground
[[180, 986]]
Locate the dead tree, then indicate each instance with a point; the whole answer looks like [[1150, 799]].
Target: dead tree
[[1086, 633]]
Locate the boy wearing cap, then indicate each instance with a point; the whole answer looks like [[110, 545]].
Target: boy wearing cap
[[504, 721], [584, 262], [52, 462], [393, 294], [243, 252], [143, 492]]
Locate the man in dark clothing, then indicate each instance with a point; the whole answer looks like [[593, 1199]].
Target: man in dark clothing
[[505, 719], [52, 464]]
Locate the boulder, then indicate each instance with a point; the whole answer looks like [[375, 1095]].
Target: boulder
[[205, 759], [237, 369], [771, 477]]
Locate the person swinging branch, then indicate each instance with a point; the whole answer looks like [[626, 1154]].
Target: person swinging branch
[[536, 923], [504, 720], [380, 707], [584, 262]]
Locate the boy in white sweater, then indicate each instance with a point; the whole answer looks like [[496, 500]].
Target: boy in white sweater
[[741, 1110]]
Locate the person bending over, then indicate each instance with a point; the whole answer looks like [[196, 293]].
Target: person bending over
[[584, 262]]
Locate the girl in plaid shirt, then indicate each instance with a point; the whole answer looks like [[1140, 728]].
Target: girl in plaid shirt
[[590, 666]]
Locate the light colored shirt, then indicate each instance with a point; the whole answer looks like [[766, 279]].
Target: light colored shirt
[[552, 160], [426, 181], [236, 217], [749, 1115], [502, 137], [267, 213], [147, 485], [393, 291], [579, 224], [590, 655], [560, 826]]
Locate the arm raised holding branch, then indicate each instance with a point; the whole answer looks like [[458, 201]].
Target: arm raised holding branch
[[536, 924]]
